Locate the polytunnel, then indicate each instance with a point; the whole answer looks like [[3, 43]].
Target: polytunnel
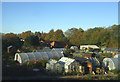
[[24, 57], [111, 63]]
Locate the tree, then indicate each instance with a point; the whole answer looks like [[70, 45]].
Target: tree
[[50, 35], [70, 32], [59, 36], [11, 39], [26, 34], [38, 34], [31, 41]]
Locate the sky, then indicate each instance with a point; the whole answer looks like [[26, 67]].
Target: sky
[[18, 17]]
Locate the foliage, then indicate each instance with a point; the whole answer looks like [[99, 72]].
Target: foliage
[[99, 35], [68, 52], [56, 36], [90, 49], [41, 63], [31, 41], [115, 71], [10, 39], [25, 34], [89, 77], [109, 55]]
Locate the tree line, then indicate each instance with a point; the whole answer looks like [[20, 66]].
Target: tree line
[[108, 37]]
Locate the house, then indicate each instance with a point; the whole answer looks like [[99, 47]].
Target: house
[[59, 44], [69, 64], [112, 63], [84, 47], [24, 57]]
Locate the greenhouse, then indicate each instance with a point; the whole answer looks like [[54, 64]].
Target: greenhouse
[[24, 57], [111, 63]]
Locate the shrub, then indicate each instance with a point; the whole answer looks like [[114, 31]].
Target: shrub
[[41, 63], [89, 77], [109, 55], [115, 71]]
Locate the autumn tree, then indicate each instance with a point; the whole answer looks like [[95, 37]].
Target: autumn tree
[[50, 35], [59, 36], [25, 34]]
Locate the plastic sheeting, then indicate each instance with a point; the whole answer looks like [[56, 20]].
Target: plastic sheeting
[[113, 63], [24, 57]]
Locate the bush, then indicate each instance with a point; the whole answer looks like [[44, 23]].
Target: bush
[[109, 55], [41, 63], [115, 71], [89, 77]]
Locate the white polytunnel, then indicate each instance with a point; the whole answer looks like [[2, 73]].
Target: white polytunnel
[[111, 63], [24, 57]]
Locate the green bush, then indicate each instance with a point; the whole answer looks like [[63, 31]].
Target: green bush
[[89, 77], [119, 76], [115, 71], [41, 63], [109, 55]]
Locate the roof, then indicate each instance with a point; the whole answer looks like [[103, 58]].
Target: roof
[[94, 61], [59, 49], [80, 60], [52, 61], [92, 46], [114, 61], [66, 60], [73, 47], [111, 49], [39, 55], [117, 56]]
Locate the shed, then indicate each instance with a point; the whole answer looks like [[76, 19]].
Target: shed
[[50, 65], [111, 63], [54, 66], [69, 64], [88, 46], [117, 56], [74, 47], [24, 57]]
